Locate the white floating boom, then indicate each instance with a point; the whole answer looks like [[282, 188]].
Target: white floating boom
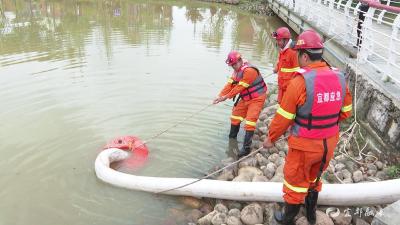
[[372, 193]]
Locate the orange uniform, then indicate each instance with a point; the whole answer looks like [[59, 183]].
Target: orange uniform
[[245, 110], [286, 67], [304, 156]]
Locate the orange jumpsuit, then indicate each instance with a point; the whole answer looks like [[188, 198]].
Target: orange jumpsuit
[[244, 110], [304, 155], [286, 67]]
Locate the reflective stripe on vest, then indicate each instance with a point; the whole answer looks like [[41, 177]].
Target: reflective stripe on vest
[[253, 90], [318, 117]]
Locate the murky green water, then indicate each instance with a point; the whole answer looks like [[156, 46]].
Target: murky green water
[[75, 74]]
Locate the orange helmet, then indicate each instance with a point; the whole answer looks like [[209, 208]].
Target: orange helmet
[[233, 57], [309, 39], [281, 33]]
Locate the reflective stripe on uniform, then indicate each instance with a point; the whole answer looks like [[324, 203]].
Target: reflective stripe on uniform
[[250, 123], [294, 188], [237, 118], [230, 80], [289, 70], [347, 108], [287, 115], [244, 84]]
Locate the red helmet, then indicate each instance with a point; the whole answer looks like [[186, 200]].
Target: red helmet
[[309, 39], [281, 33], [233, 57]]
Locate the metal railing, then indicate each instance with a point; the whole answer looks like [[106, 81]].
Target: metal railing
[[378, 34]]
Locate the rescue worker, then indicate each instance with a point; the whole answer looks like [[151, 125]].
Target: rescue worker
[[246, 82], [317, 98], [287, 63]]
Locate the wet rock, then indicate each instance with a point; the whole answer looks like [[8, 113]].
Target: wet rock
[[322, 219], [252, 171], [260, 179], [252, 214], [251, 161], [379, 165], [234, 212], [221, 208], [191, 202], [219, 218], [261, 160], [233, 221], [339, 167], [341, 219], [358, 176], [226, 174], [194, 215]]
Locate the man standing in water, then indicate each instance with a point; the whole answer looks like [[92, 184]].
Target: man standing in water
[[287, 62], [247, 82], [317, 98]]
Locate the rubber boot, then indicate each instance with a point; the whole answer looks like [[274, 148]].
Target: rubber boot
[[287, 217], [245, 150], [234, 131], [310, 203]]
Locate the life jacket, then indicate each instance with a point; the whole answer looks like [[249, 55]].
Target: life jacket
[[255, 89], [285, 68], [318, 118]]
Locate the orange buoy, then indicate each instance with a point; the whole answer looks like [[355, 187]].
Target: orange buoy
[[137, 147]]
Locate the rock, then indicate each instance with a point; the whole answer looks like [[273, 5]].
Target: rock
[[379, 165], [221, 208], [194, 215], [226, 174], [233, 221], [346, 174], [269, 213], [279, 161], [261, 160], [341, 219], [252, 171], [234, 205], [339, 167], [206, 208], [263, 130], [252, 214], [282, 154], [322, 219], [243, 178], [357, 176], [206, 220], [273, 150], [234, 212], [278, 177], [271, 167], [219, 218], [348, 181], [227, 161], [191, 202], [371, 172], [282, 145], [273, 157], [260, 179], [339, 175], [177, 214], [381, 175], [371, 166], [350, 165], [251, 161], [330, 169], [360, 221]]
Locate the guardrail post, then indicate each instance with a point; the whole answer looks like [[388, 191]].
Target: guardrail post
[[366, 32], [349, 24], [391, 54]]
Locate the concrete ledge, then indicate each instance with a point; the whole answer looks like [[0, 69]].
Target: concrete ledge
[[389, 215]]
